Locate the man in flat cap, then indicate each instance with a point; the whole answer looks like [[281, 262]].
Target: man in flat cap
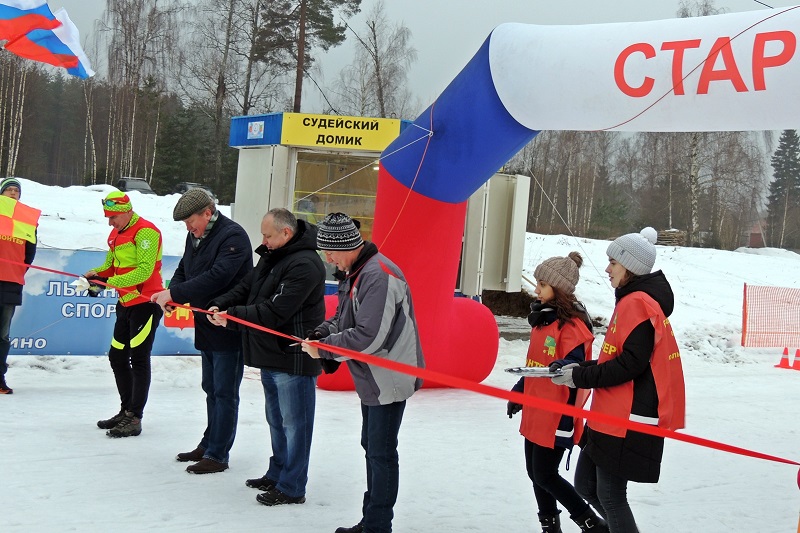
[[216, 257]]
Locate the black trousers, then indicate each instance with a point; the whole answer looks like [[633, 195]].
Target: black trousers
[[548, 485], [129, 355]]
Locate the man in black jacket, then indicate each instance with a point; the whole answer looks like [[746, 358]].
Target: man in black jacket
[[217, 256], [285, 293]]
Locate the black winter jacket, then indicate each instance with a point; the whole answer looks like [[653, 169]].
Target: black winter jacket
[[637, 456], [285, 293], [218, 263]]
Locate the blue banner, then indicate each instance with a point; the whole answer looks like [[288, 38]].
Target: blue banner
[[55, 319]]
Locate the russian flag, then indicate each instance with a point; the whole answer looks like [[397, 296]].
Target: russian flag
[[59, 47], [18, 17]]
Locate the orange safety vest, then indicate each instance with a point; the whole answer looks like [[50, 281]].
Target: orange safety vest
[[548, 344], [18, 224], [665, 363]]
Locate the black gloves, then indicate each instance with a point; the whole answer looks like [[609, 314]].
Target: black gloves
[[513, 408], [313, 335], [329, 366], [555, 366], [95, 289]]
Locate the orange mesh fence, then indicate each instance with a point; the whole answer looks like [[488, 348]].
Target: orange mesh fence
[[770, 317]]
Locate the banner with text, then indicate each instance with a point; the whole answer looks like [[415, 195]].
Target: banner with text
[[55, 319]]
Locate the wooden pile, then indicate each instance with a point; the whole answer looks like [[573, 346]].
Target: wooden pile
[[671, 237]]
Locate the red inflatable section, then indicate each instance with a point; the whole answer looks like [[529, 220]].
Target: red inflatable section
[[423, 236]]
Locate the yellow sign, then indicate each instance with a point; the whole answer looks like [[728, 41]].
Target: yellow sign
[[333, 131]]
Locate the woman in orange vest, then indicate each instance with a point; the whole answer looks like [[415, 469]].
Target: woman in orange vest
[[638, 376], [561, 335]]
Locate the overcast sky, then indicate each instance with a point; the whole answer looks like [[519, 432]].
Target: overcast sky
[[447, 33]]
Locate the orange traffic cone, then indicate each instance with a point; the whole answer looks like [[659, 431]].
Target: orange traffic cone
[[796, 363], [784, 359]]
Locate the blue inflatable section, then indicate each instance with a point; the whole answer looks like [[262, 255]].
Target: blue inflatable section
[[54, 320], [474, 136]]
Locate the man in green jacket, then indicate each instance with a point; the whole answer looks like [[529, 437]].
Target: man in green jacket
[[133, 267]]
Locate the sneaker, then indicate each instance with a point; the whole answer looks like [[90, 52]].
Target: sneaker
[[193, 456], [358, 528], [111, 422], [276, 497], [207, 466], [262, 483], [5, 389], [129, 426]]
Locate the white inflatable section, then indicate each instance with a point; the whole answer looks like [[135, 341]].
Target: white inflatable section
[[563, 77]]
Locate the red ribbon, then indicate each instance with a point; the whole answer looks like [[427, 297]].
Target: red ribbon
[[460, 383]]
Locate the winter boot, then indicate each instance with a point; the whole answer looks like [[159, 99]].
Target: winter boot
[[358, 528], [276, 497], [111, 422], [193, 456], [129, 426], [207, 466], [5, 389], [550, 523], [261, 483], [588, 521]]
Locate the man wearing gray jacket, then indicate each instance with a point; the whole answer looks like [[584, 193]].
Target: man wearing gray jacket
[[375, 315]]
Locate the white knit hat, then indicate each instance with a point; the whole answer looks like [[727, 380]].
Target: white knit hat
[[635, 251]]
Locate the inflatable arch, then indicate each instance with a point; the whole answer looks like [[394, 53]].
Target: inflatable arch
[[730, 72]]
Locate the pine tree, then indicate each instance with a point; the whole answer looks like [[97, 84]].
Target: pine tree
[[299, 27], [783, 204]]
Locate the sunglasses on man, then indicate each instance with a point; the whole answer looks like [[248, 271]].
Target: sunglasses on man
[[111, 202]]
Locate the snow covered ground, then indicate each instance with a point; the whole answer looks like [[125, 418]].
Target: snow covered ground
[[462, 466]]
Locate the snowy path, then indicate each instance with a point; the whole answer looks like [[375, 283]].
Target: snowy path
[[461, 457]]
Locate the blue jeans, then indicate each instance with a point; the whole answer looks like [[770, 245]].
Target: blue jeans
[[380, 425], [289, 403], [6, 314], [607, 493], [222, 375]]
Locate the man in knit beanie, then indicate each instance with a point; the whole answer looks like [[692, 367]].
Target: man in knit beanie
[[216, 257], [384, 325], [21, 249], [11, 187]]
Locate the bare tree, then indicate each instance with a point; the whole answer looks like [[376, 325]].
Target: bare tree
[[375, 83], [13, 80], [225, 69], [141, 38]]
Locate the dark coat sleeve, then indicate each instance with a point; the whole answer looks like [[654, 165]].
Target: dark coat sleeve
[[179, 276], [235, 296], [632, 362], [293, 289], [30, 250], [233, 251]]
